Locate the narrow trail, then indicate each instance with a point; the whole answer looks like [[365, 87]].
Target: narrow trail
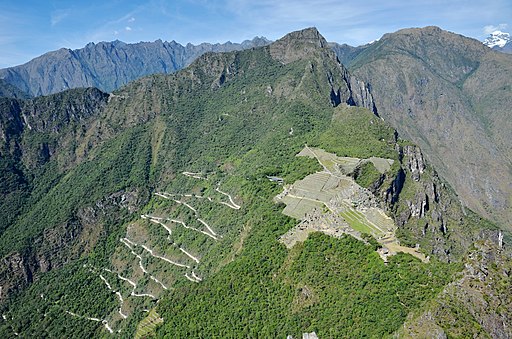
[[211, 233], [121, 300], [232, 203], [127, 242], [106, 282], [188, 254], [157, 221], [193, 278], [194, 175], [193, 228], [166, 195], [318, 159], [196, 277], [104, 322], [151, 252], [118, 294], [134, 286], [207, 226]]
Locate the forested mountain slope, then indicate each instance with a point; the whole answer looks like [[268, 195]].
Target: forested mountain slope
[[155, 209]]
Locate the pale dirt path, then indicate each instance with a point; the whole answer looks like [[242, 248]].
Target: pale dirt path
[[196, 277], [127, 242], [152, 253], [188, 254], [134, 286], [211, 233], [207, 226], [193, 277], [232, 203], [193, 228], [318, 159], [157, 221], [194, 175], [119, 296], [104, 322]]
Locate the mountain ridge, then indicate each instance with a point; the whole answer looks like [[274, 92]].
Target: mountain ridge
[[446, 92], [163, 194], [108, 65]]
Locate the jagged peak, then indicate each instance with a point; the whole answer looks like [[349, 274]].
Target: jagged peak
[[308, 35], [296, 45]]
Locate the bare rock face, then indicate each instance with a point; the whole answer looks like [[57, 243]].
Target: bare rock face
[[415, 163], [108, 65], [310, 44], [296, 45], [450, 95]]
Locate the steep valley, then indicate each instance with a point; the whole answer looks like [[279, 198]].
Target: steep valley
[[149, 211]]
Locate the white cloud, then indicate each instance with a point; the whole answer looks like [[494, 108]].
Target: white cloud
[[58, 16], [128, 28], [491, 28], [132, 19]]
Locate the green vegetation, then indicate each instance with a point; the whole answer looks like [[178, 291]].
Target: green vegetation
[[356, 132], [367, 175], [235, 129], [41, 311], [269, 293], [357, 221]]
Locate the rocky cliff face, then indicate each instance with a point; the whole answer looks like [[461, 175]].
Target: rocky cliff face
[[426, 211], [450, 95], [34, 133], [108, 65], [9, 91], [346, 53]]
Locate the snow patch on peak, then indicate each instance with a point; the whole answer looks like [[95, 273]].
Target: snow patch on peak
[[497, 39]]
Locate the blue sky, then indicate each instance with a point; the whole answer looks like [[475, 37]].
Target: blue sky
[[29, 28]]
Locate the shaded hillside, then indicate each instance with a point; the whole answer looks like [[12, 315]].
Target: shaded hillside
[[158, 215], [108, 65], [452, 96], [346, 53], [9, 91]]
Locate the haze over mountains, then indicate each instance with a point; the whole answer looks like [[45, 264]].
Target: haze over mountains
[[266, 192]]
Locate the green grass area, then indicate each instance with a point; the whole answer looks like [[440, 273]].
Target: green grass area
[[358, 222], [147, 327], [367, 174]]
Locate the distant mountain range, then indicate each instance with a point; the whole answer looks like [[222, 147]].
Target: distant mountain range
[[109, 65], [148, 212], [499, 41]]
